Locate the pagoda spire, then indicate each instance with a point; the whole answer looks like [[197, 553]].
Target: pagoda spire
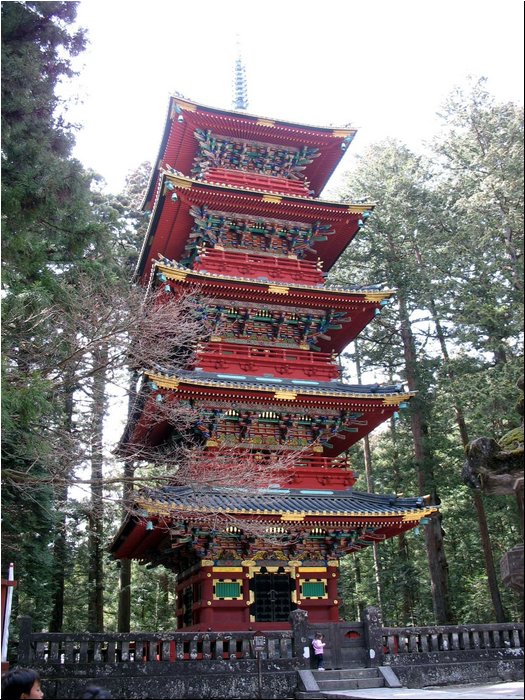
[[240, 87]]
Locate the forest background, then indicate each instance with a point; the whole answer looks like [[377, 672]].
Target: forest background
[[447, 234]]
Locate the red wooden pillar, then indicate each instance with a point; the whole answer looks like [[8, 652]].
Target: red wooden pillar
[[332, 577], [207, 595]]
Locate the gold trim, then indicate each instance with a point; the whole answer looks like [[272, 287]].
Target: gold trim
[[312, 569], [265, 122], [181, 182], [338, 133], [164, 382], [183, 104], [293, 516], [393, 400], [173, 273], [333, 562], [360, 208], [376, 296], [207, 562], [285, 395], [228, 569], [412, 517], [277, 289], [274, 198]]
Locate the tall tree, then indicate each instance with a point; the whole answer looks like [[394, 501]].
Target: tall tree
[[45, 192], [47, 228], [396, 179], [458, 236]]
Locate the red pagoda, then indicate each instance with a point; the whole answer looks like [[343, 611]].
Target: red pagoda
[[235, 213]]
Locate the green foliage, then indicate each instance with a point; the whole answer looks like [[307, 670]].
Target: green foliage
[[447, 233], [154, 600], [45, 192]]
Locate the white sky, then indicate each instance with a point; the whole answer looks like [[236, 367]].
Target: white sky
[[384, 66]]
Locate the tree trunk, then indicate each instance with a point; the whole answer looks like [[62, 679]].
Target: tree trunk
[[369, 483], [407, 593], [501, 615], [60, 542], [96, 514], [423, 461], [124, 601], [406, 585]]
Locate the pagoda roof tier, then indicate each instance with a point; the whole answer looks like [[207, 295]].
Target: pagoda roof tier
[[277, 385], [353, 518], [180, 147], [370, 404], [360, 304], [172, 221]]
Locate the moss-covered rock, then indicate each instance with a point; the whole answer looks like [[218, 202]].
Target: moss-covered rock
[[496, 467]]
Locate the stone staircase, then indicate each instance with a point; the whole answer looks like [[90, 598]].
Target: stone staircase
[[316, 684]]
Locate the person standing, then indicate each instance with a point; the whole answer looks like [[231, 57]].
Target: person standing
[[318, 645]]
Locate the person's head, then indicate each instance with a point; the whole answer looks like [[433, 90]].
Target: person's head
[[318, 635], [95, 691], [21, 684]]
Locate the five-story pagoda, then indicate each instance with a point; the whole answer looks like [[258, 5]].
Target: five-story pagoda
[[235, 214]]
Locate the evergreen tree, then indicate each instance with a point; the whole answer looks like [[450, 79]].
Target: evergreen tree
[[396, 179], [47, 228], [449, 232]]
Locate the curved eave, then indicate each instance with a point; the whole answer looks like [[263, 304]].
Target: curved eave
[[171, 222], [286, 390], [267, 289], [382, 515], [151, 427], [360, 306], [278, 503], [310, 203], [190, 106], [178, 145], [155, 507]]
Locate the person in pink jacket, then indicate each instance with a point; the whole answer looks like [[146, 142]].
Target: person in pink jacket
[[318, 644]]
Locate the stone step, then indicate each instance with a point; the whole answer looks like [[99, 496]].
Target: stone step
[[351, 684], [344, 673], [349, 679], [330, 683]]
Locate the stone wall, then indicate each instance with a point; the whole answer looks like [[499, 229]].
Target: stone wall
[[180, 679]]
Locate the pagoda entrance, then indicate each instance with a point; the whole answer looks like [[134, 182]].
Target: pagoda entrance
[[272, 595]]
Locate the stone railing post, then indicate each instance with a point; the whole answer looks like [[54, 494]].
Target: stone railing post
[[300, 642], [373, 628], [25, 629]]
